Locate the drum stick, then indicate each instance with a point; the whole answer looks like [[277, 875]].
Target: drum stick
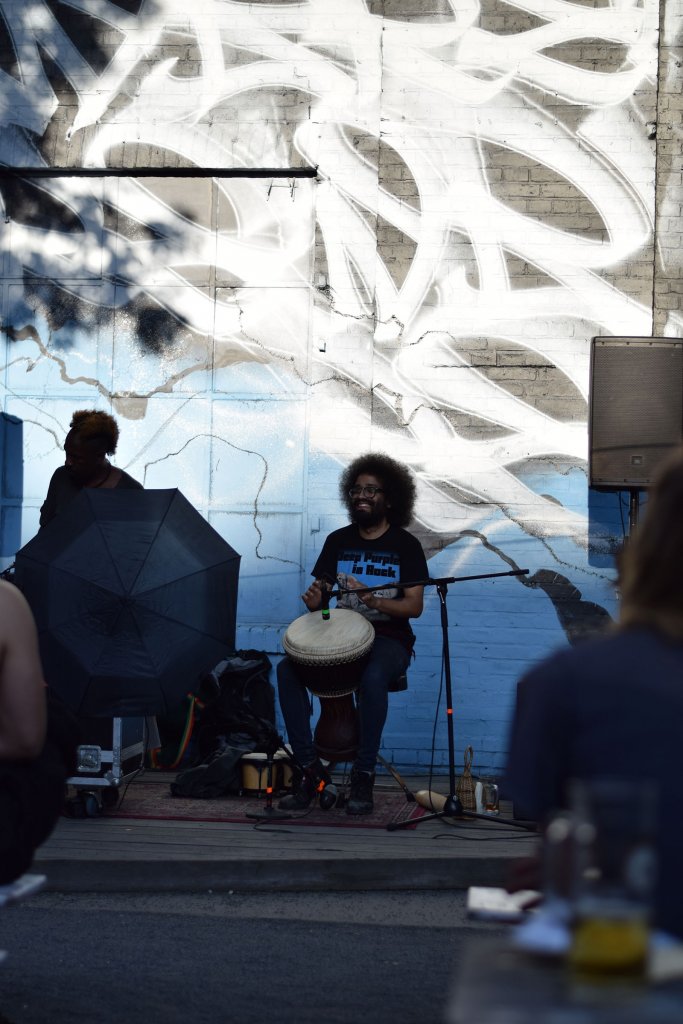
[[392, 771]]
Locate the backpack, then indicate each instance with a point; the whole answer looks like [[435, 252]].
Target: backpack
[[237, 717], [238, 698]]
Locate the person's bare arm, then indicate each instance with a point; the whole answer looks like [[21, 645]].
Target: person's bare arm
[[407, 607], [23, 711]]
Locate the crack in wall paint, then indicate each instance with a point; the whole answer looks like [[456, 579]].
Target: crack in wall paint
[[484, 205]]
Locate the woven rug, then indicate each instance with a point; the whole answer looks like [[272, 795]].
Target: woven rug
[[154, 800]]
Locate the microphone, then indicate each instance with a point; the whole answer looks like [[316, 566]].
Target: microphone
[[325, 606]]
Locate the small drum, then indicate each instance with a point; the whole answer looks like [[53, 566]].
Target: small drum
[[329, 654], [254, 773]]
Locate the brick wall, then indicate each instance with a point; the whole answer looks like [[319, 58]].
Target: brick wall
[[492, 187], [669, 187]]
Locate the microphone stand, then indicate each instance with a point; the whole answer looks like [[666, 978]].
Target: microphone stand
[[275, 743], [269, 813], [453, 807]]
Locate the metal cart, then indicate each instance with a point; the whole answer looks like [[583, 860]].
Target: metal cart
[[112, 751]]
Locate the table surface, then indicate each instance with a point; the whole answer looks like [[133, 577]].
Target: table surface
[[497, 984]]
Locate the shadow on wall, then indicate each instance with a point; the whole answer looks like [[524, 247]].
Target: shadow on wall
[[11, 486], [608, 515]]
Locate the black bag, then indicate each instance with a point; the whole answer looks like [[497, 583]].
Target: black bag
[[235, 697], [238, 717], [238, 698], [219, 775]]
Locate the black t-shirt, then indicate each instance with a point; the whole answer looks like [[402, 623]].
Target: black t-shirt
[[395, 557], [63, 490]]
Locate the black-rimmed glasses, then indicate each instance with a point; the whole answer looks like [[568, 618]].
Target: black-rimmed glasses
[[369, 491]]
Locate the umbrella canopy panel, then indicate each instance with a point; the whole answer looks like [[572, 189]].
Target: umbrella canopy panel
[[134, 595]]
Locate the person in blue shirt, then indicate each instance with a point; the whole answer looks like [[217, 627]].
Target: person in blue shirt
[[613, 707]]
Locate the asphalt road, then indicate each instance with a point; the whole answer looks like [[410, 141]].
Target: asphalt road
[[326, 958]]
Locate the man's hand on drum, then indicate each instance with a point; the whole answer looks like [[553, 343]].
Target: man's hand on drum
[[313, 598]]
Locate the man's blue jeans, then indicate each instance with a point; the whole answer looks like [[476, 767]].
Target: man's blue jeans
[[388, 660]]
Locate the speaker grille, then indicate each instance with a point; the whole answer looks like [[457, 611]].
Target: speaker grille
[[635, 408]]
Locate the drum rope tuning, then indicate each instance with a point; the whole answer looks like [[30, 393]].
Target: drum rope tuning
[[329, 655]]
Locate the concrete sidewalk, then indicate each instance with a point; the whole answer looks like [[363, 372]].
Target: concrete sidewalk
[[133, 855]]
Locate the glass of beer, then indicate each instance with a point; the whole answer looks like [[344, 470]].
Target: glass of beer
[[615, 869], [490, 794]]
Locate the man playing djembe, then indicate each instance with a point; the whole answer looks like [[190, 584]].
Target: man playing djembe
[[379, 494]]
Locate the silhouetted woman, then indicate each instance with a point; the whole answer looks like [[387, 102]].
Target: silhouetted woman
[[92, 438]]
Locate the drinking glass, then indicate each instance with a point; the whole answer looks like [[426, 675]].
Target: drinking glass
[[614, 878], [490, 795]]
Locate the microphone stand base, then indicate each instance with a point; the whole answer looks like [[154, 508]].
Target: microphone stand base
[[269, 814], [452, 808]]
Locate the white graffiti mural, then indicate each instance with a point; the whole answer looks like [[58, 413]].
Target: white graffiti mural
[[482, 205]]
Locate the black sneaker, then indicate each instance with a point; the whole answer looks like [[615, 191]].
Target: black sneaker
[[360, 798], [305, 787]]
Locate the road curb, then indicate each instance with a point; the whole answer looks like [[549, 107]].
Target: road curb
[[331, 874]]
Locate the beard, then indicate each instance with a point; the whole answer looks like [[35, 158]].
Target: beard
[[368, 516]]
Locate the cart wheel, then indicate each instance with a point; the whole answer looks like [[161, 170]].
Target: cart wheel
[[91, 805], [73, 807], [110, 797]]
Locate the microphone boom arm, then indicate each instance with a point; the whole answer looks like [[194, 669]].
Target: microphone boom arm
[[423, 583]]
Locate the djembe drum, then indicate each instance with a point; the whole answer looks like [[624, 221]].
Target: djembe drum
[[329, 656]]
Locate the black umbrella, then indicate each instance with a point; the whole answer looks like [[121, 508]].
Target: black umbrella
[[134, 595]]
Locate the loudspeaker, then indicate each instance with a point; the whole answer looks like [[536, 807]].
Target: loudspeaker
[[635, 409]]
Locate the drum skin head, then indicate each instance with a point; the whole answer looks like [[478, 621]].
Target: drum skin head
[[343, 638]]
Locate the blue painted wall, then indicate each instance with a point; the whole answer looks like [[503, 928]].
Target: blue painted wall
[[482, 203]]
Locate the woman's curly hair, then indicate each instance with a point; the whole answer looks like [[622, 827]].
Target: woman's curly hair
[[650, 563], [98, 428], [400, 492]]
